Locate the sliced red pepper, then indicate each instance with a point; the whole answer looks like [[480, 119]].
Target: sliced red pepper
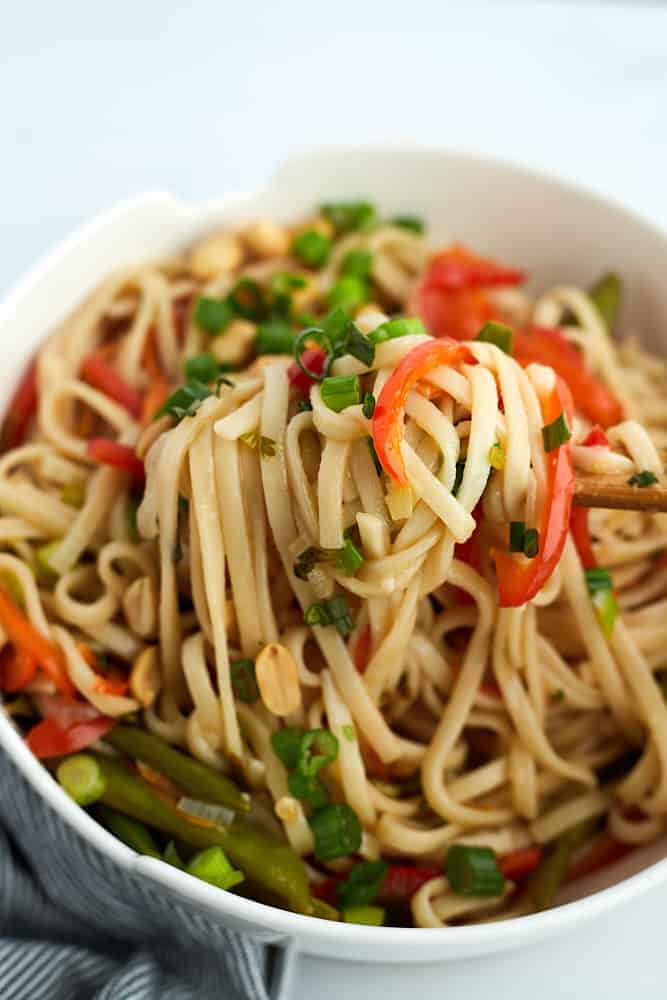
[[456, 267], [325, 890], [102, 376], [596, 438], [518, 864], [64, 710], [120, 456], [548, 346], [604, 850], [402, 882], [388, 418], [17, 669], [25, 637], [48, 739], [519, 579], [312, 358], [21, 410], [112, 682]]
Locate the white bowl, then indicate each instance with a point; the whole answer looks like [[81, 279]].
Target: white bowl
[[558, 232]]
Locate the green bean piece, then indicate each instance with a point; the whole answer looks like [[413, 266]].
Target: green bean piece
[[605, 295], [130, 831], [547, 878], [264, 859], [324, 910], [195, 778]]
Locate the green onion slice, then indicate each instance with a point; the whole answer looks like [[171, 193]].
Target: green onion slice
[[556, 433], [474, 871], [244, 680], [643, 479], [286, 745], [357, 263], [498, 334], [517, 535], [82, 778], [213, 315], [312, 248], [348, 216], [247, 298], [368, 405], [212, 865], [606, 297], [202, 368], [341, 391], [600, 587], [332, 612], [363, 883], [393, 328], [348, 292], [337, 832], [411, 222], [318, 749], [307, 788], [348, 559], [185, 401], [274, 336]]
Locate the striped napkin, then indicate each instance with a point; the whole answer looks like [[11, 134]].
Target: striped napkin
[[74, 926]]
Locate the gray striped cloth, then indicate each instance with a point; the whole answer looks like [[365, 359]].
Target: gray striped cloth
[[74, 926]]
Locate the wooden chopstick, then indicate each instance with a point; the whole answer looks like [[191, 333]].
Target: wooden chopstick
[[594, 490]]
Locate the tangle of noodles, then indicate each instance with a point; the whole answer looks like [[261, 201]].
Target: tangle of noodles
[[460, 719]]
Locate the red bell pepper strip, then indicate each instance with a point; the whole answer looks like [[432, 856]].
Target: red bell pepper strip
[[325, 890], [388, 418], [518, 864], [64, 710], [26, 638], [519, 579], [312, 358], [604, 850], [456, 267], [105, 378], [113, 682], [21, 410], [17, 669], [550, 347], [596, 438], [49, 739], [402, 882], [120, 456]]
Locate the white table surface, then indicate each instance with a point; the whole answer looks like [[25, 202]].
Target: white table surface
[[101, 100]]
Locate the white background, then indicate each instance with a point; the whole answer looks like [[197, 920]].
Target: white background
[[101, 100]]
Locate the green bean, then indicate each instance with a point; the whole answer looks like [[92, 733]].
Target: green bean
[[547, 878], [130, 831], [263, 858], [195, 778], [605, 295], [324, 910]]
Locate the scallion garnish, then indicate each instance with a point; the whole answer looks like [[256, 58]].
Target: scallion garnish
[[304, 406], [557, 433], [341, 391], [368, 405], [393, 328], [212, 315], [286, 745], [82, 778], [498, 334], [274, 336], [331, 612], [411, 222], [349, 733], [517, 534], [307, 788], [185, 401], [601, 589], [212, 865], [337, 335], [362, 884], [244, 680], [348, 559], [347, 216], [474, 871], [337, 832], [253, 439], [523, 539], [312, 248], [247, 298], [348, 292], [374, 455], [282, 285], [318, 749], [643, 479], [606, 297], [357, 263], [202, 368], [497, 457]]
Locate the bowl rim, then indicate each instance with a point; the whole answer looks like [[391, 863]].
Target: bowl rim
[[380, 942]]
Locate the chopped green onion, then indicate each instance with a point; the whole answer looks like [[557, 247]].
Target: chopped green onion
[[282, 285], [349, 559], [267, 447], [304, 406], [74, 495], [212, 865], [307, 560], [337, 335], [348, 292], [318, 749], [497, 456], [374, 455], [337, 832], [312, 248], [531, 543], [393, 328], [498, 334], [601, 589], [557, 433], [185, 401], [643, 479], [341, 391], [558, 695], [82, 778], [244, 680], [202, 368], [332, 612], [517, 535], [357, 263], [172, 857], [213, 315], [474, 871], [275, 336], [362, 884], [307, 788], [360, 346], [247, 298], [411, 222], [347, 216], [349, 733], [286, 745], [372, 916], [606, 297], [44, 571], [458, 478], [368, 405]]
